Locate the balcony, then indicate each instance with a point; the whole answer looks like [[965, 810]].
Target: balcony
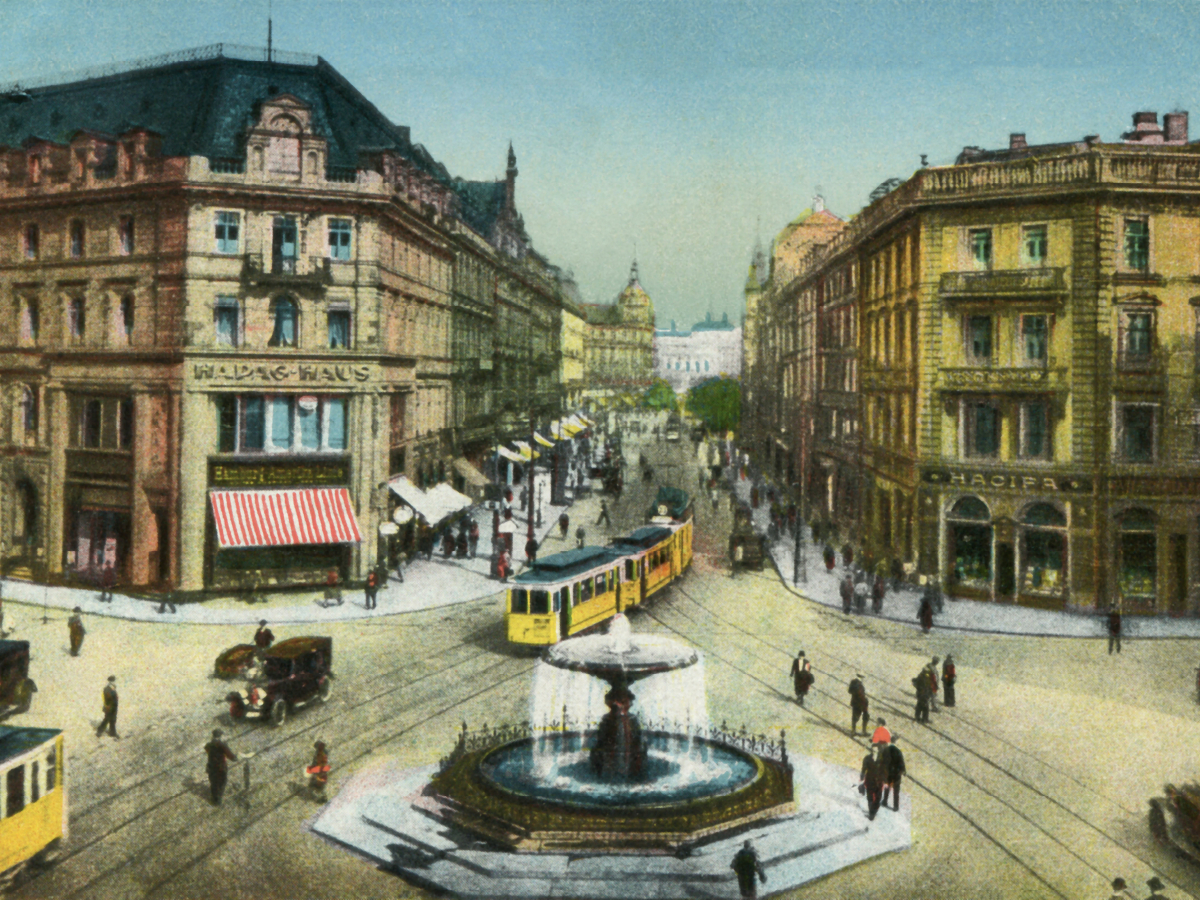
[[1016, 379], [286, 271], [1016, 284]]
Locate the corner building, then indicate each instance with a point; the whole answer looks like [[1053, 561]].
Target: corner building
[[226, 308], [1027, 382]]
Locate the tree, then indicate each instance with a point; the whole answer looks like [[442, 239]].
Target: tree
[[660, 396], [717, 402]]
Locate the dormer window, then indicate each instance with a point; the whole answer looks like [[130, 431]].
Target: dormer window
[[283, 147], [35, 169]]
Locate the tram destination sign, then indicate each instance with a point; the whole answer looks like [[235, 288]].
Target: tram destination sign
[[1001, 480], [289, 474]]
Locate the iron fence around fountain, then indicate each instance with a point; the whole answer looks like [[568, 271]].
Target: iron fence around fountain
[[485, 738]]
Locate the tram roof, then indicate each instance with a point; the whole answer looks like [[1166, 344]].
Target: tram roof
[[15, 741], [568, 564], [646, 536]]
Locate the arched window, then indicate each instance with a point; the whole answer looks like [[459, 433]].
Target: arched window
[[1045, 514], [1138, 555], [286, 315], [970, 508]]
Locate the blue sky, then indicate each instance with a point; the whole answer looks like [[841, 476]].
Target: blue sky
[[681, 127]]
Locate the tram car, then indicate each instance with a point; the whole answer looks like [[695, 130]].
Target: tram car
[[569, 592], [671, 505], [33, 798]]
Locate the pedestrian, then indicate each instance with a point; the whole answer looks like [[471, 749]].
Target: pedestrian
[[564, 525], [746, 865], [877, 592], [894, 770], [1156, 887], [502, 565], [332, 591], [263, 638], [168, 599], [108, 580], [447, 544], [472, 538], [871, 778], [1119, 891], [882, 734], [426, 544], [603, 517], [109, 699], [830, 559], [859, 705], [802, 676], [580, 536], [712, 495], [1114, 628], [531, 549], [371, 589], [931, 672], [860, 594], [76, 631], [846, 589], [318, 772], [217, 767], [921, 683], [897, 573], [948, 679], [925, 613], [460, 544]]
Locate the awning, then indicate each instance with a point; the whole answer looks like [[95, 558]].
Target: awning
[[447, 501], [280, 518], [415, 497], [470, 474], [527, 452], [508, 526], [510, 455], [584, 419], [543, 441]]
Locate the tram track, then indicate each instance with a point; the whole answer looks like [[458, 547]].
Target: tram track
[[1046, 823]]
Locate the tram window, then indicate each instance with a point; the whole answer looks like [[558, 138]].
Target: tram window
[[34, 784], [575, 594], [51, 769], [630, 572], [539, 602], [612, 579], [520, 601], [586, 587], [600, 589], [555, 595], [15, 784]]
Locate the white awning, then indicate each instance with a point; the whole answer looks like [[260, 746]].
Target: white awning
[[508, 526], [416, 498], [510, 455], [446, 500]]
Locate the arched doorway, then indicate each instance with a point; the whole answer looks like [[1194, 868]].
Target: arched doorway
[[1043, 555], [969, 546], [1137, 559]]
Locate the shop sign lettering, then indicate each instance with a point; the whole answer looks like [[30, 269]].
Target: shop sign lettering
[[271, 373], [1006, 480], [266, 475]]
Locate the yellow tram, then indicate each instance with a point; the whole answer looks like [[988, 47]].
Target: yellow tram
[[33, 797], [569, 592]]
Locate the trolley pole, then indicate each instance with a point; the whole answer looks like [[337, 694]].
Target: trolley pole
[[532, 472], [799, 568]]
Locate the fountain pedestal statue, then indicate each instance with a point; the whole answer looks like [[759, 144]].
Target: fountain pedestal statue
[[618, 752]]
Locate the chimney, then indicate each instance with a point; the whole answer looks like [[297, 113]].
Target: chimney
[[1175, 126], [1017, 141], [1145, 129]]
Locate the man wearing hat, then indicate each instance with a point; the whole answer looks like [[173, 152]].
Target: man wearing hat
[[1155, 886], [871, 778], [318, 772], [893, 766], [802, 676], [948, 679], [932, 670], [921, 683], [109, 698], [858, 704], [217, 768], [75, 630], [746, 865], [263, 639]]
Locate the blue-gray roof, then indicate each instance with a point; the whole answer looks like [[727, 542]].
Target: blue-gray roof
[[646, 536], [481, 202], [15, 741], [568, 564]]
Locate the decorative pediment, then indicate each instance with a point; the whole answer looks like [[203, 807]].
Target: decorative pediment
[[1140, 298], [285, 115]]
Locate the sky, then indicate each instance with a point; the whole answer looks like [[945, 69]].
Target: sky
[[680, 131]]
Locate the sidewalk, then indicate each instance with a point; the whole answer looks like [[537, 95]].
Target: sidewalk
[[427, 584], [957, 615]]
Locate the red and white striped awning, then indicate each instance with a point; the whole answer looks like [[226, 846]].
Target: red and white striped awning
[[274, 518]]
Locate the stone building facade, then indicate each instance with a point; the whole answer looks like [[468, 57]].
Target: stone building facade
[[710, 349], [619, 345], [1025, 339]]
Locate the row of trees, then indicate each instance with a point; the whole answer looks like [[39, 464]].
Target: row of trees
[[716, 402]]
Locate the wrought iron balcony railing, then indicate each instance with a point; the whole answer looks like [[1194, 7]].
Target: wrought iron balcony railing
[[1016, 283]]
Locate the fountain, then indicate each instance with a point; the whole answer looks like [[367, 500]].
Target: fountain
[[620, 763]]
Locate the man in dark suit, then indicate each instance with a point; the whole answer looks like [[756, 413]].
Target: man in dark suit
[[217, 768], [894, 771], [109, 698]]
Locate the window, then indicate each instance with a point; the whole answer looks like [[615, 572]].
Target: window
[[339, 329], [1033, 245], [1035, 431], [125, 424], [982, 429], [284, 246], [125, 235], [76, 319], [1139, 332], [127, 317], [284, 334], [979, 339], [51, 769], [339, 239], [76, 239], [280, 410], [89, 425], [335, 423], [980, 242], [29, 244], [1138, 548], [1137, 244], [1137, 433], [297, 424], [29, 320], [226, 229], [227, 313], [15, 790], [1034, 334], [520, 601]]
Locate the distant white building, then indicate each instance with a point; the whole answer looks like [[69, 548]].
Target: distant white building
[[710, 349]]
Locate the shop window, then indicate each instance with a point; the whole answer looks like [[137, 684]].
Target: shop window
[[284, 246], [982, 430], [979, 340], [125, 235], [30, 241], [1033, 245], [1035, 430], [1035, 333], [285, 315], [980, 243], [1138, 550], [339, 328], [970, 543], [1137, 245], [226, 231], [339, 239], [1043, 549], [75, 239], [227, 321], [1137, 433], [76, 319], [126, 325], [226, 424]]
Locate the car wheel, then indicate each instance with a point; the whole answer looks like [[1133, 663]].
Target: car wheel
[[279, 712], [323, 690]]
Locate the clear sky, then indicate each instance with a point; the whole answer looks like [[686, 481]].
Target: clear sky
[[679, 126]]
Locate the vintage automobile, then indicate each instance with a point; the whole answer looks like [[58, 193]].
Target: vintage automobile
[[746, 546], [294, 673], [16, 687], [1175, 819], [235, 662]]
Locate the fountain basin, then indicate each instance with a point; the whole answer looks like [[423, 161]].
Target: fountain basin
[[499, 793]]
